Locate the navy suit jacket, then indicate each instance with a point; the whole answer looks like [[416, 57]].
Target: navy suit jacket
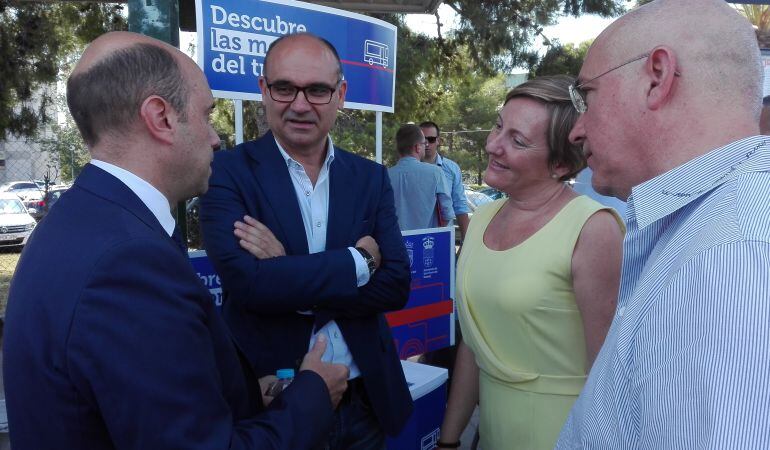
[[111, 341], [262, 297]]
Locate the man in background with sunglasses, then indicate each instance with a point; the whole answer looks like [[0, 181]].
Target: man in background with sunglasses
[[305, 238], [454, 177], [421, 192], [670, 98]]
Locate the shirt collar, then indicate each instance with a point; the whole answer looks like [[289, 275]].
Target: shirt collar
[[289, 160], [673, 190], [408, 159], [155, 201], [439, 159]]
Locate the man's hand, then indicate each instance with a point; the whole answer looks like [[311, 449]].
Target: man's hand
[[264, 383], [370, 245], [257, 239], [334, 375]]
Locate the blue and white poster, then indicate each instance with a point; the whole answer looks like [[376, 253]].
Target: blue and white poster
[[234, 35], [427, 321], [209, 278]]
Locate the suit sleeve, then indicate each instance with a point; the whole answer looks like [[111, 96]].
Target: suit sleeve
[[275, 285], [388, 287], [141, 350]]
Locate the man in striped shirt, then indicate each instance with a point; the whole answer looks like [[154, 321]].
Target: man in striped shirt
[[670, 96]]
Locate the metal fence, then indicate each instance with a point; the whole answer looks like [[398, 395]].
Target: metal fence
[[28, 167]]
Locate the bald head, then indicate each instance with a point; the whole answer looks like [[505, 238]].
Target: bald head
[[664, 84], [306, 40], [115, 74], [715, 48]]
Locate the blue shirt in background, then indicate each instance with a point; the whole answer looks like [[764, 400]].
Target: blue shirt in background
[[454, 180], [417, 186], [583, 186]]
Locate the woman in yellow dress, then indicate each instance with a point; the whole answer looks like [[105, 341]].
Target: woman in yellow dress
[[537, 279]]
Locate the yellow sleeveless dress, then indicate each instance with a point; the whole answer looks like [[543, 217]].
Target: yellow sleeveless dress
[[518, 314]]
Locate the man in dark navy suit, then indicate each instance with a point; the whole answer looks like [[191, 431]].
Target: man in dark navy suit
[[305, 238], [120, 346]]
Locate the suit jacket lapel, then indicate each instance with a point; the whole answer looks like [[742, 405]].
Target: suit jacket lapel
[[273, 177], [341, 226]]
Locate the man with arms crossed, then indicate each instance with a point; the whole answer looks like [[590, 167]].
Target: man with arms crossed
[[305, 238], [115, 343], [670, 96]]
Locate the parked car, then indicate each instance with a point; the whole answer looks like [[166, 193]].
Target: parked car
[[476, 199], [491, 192], [13, 186], [15, 222], [27, 191], [39, 208]]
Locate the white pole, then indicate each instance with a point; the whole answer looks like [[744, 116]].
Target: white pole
[[378, 137], [238, 105]]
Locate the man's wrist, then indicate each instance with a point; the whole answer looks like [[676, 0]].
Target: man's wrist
[[370, 264]]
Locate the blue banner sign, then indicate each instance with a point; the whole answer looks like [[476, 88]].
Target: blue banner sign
[[234, 35], [205, 271], [427, 321]]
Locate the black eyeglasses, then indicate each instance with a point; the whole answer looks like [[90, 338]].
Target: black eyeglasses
[[431, 139], [578, 95], [316, 94]]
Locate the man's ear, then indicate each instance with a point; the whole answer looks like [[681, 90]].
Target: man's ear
[[661, 70], [159, 118], [341, 92], [262, 83]]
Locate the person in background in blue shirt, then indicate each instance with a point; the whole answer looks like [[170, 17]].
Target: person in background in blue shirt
[[670, 97], [451, 171], [420, 190]]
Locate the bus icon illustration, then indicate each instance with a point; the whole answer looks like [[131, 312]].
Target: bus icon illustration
[[376, 53]]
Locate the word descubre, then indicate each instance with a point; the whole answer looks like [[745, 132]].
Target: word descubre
[[220, 16]]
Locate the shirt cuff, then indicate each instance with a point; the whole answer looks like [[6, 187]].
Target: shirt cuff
[[362, 269]]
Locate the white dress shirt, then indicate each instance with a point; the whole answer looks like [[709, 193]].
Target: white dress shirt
[[314, 206], [155, 201]]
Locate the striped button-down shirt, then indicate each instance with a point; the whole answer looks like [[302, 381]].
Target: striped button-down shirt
[[686, 363]]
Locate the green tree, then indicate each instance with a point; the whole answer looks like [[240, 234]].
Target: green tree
[[65, 146], [36, 41], [473, 108], [499, 33], [759, 16], [561, 59]]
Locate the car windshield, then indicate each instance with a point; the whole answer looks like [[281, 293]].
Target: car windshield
[[477, 199], [11, 206], [19, 186]]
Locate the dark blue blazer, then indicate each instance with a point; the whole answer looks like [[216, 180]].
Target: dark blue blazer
[[111, 341], [262, 297]]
